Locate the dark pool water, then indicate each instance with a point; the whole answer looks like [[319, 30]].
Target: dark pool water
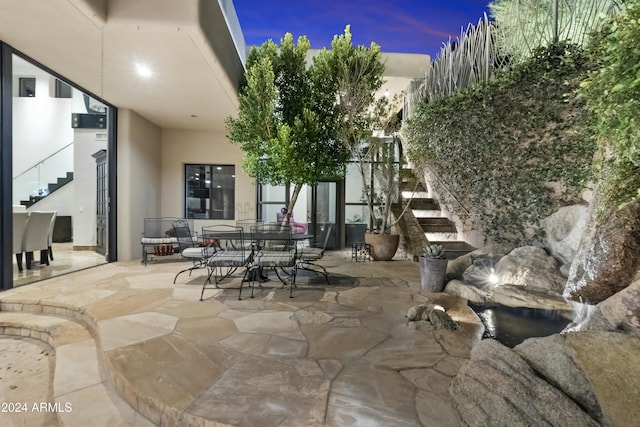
[[511, 325]]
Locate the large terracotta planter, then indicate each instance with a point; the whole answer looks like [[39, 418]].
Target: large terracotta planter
[[432, 274], [383, 246]]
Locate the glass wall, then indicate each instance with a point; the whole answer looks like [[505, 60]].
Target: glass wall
[[56, 131], [341, 202]]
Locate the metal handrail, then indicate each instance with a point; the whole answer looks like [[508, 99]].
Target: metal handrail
[[42, 161], [444, 185]]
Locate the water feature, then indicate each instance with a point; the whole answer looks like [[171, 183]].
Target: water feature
[[511, 325]]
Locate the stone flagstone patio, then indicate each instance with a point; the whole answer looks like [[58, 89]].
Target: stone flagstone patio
[[133, 349]]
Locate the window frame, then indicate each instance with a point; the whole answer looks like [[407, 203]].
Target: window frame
[[225, 203]]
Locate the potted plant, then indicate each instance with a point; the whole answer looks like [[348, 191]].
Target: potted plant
[[433, 268], [381, 191], [363, 116]]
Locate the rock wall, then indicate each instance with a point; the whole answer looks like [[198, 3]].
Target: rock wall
[[608, 256], [587, 378]]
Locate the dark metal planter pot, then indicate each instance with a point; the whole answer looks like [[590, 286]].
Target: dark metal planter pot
[[432, 274]]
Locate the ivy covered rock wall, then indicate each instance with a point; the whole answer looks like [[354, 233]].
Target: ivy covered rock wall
[[512, 150]]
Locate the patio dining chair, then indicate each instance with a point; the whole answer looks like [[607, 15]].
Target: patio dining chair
[[310, 255], [277, 250], [36, 237], [19, 225], [232, 253], [246, 225], [189, 249]]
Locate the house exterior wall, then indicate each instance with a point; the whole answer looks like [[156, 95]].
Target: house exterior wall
[[180, 147], [139, 180]]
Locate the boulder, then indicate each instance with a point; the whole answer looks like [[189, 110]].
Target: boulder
[[492, 250], [455, 267], [608, 256], [434, 314], [623, 308], [517, 296], [478, 273], [587, 317], [611, 363], [496, 387], [551, 359], [531, 267], [419, 312], [441, 320], [563, 231], [471, 293]]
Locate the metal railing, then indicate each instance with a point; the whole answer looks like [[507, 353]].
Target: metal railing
[[33, 182]]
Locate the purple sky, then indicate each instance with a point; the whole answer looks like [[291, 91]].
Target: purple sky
[[407, 26]]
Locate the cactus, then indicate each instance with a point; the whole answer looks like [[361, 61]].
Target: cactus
[[433, 251]]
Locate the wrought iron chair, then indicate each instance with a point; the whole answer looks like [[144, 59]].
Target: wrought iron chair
[[277, 250], [232, 253], [189, 249], [309, 255]]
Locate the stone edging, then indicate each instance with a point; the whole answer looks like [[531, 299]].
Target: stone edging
[[153, 410]]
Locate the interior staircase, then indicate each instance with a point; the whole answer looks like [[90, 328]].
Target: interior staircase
[[51, 187], [437, 228]]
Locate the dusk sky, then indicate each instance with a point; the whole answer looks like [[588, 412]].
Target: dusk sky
[[407, 26]]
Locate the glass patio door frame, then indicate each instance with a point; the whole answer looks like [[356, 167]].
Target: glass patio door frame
[[6, 163], [313, 222]]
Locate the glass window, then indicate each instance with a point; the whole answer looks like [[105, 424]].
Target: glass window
[[210, 191], [27, 87]]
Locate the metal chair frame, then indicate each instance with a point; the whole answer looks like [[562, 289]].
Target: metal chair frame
[[189, 248], [232, 254], [276, 249], [308, 256]]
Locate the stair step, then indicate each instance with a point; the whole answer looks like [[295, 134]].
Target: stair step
[[424, 204], [411, 186], [437, 225], [51, 187]]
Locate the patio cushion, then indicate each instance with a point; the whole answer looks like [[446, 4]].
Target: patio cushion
[[204, 252], [275, 258], [229, 259], [163, 240]]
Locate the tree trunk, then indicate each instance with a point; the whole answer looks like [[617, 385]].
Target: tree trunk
[[292, 202]]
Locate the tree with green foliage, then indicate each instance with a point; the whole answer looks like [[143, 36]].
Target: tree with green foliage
[[286, 123], [356, 74]]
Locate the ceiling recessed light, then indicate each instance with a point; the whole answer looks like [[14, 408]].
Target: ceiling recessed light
[[143, 70], [194, 115]]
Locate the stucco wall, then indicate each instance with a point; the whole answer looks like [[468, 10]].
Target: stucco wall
[[139, 180], [180, 147], [87, 142]]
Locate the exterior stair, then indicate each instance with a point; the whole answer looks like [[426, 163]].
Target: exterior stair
[[51, 187], [437, 229]]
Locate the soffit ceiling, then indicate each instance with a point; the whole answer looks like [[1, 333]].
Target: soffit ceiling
[[96, 44]]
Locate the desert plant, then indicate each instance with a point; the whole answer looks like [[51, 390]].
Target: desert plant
[[434, 251], [524, 25]]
